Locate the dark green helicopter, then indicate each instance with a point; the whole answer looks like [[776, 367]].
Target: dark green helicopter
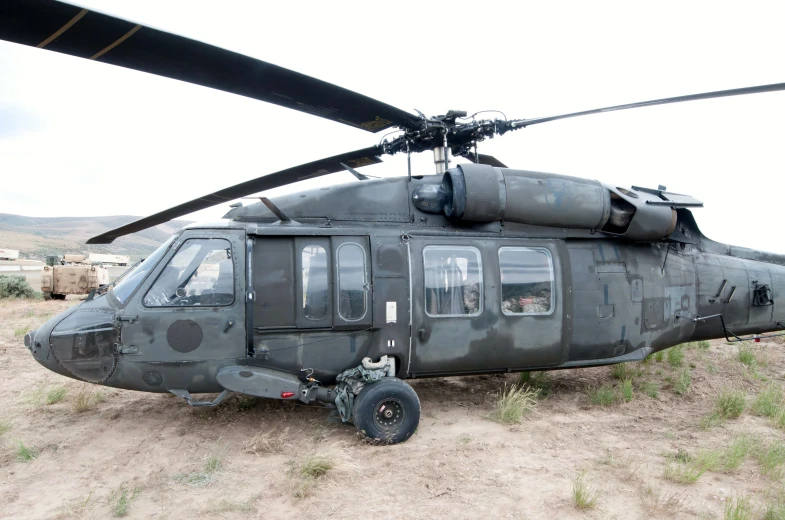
[[338, 295]]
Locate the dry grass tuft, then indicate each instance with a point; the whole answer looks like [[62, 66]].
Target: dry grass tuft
[[739, 509], [602, 395], [310, 469], [730, 404], [121, 501], [25, 453], [269, 441], [682, 473], [657, 502], [584, 495], [55, 395], [513, 403], [316, 465], [86, 400], [770, 402], [771, 459], [726, 460]]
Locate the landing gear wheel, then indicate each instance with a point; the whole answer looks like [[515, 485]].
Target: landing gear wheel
[[387, 411]]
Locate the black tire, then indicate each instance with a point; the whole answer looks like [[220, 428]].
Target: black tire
[[47, 296], [387, 411]]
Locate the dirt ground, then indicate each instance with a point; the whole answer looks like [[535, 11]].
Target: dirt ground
[[99, 452]]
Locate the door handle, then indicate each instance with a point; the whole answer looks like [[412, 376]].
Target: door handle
[[228, 325], [423, 334]]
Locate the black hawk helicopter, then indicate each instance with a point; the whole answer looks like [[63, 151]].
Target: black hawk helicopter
[[338, 295]]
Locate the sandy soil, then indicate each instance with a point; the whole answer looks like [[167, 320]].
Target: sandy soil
[[243, 459]]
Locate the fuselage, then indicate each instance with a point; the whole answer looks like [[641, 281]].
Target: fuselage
[[360, 271]]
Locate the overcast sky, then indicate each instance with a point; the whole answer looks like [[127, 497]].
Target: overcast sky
[[80, 138]]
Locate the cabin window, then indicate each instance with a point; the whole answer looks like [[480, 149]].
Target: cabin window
[[201, 273], [352, 284], [314, 271], [527, 281], [453, 281]]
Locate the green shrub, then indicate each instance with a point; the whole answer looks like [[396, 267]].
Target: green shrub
[[651, 389], [537, 381], [15, 286], [771, 459], [602, 396], [769, 402], [747, 356], [730, 404], [659, 356], [682, 383], [620, 372], [676, 356], [626, 390]]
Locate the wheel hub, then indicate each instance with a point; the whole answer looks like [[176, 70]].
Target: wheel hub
[[389, 415]]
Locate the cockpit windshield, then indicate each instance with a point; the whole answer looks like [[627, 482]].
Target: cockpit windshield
[[131, 280]]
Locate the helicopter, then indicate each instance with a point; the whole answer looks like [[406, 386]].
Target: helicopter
[[339, 295]]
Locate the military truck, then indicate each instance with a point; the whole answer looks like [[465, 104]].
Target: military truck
[[71, 274], [107, 259], [9, 254]]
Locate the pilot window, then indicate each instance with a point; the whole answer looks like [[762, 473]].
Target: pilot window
[[314, 282], [527, 281], [352, 285], [201, 273], [453, 281]]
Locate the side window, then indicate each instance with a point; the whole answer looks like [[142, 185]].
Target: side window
[[453, 281], [527, 281], [200, 273], [351, 282], [314, 282]]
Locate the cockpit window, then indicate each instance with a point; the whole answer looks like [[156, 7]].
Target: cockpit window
[[201, 273], [131, 279]]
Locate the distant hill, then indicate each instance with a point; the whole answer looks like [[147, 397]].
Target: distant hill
[[37, 237]]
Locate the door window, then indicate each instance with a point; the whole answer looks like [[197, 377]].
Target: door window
[[527, 281], [351, 282], [314, 282], [200, 273], [453, 281]]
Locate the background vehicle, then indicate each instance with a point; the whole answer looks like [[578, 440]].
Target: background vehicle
[[109, 259], [9, 254], [74, 274]]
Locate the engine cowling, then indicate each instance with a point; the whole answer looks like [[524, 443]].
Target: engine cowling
[[482, 193]]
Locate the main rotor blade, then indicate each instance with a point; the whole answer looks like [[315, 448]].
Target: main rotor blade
[[355, 159], [68, 29], [678, 99]]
